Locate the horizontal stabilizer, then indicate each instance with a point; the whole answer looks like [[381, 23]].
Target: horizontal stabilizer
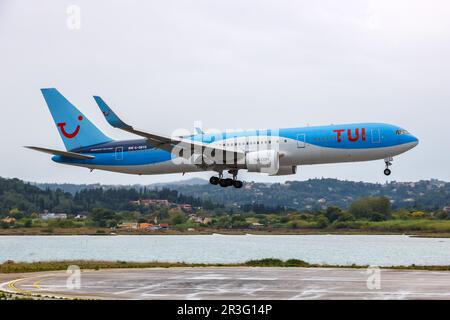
[[66, 154]]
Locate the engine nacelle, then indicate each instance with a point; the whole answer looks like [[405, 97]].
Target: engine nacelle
[[285, 171], [265, 161]]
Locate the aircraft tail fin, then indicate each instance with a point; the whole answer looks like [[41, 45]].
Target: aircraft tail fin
[[75, 129]]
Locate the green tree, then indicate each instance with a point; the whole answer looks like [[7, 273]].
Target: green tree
[[4, 225], [222, 222], [28, 223], [293, 224], [16, 213], [442, 215], [365, 208], [333, 213], [346, 216], [177, 218], [238, 222], [100, 217], [322, 222], [111, 223]]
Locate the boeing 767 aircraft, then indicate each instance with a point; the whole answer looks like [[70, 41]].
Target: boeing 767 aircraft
[[273, 151]]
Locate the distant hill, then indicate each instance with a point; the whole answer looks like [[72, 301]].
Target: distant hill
[[28, 198], [67, 187], [74, 188], [302, 195], [320, 193]]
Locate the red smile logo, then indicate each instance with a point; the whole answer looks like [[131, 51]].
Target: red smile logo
[[73, 134]]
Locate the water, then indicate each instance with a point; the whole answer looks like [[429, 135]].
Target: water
[[328, 249]]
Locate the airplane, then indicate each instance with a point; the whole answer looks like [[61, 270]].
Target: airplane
[[275, 152]]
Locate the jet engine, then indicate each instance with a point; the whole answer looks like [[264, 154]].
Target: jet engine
[[264, 161]]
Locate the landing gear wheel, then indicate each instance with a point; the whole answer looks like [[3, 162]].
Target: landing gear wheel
[[388, 162], [237, 184], [214, 180], [225, 182], [228, 182]]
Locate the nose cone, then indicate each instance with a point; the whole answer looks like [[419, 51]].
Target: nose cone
[[410, 140], [415, 141]]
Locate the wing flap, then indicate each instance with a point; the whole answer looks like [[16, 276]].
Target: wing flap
[[66, 154]]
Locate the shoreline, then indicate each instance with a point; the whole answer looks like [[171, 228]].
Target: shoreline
[[303, 232]]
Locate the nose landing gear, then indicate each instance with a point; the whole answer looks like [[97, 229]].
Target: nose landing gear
[[228, 181], [388, 162]]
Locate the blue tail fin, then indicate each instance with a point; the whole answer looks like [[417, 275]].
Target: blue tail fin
[[75, 129]]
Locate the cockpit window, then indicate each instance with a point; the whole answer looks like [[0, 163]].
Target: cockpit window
[[401, 132]]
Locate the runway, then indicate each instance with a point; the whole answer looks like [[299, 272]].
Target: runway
[[234, 283]]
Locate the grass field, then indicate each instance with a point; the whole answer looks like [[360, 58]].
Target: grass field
[[24, 267]]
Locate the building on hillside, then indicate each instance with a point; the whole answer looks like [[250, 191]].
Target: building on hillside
[[151, 202], [207, 220], [256, 225], [53, 216], [144, 226], [185, 207], [203, 220], [175, 210], [447, 209], [129, 226], [164, 226], [9, 220]]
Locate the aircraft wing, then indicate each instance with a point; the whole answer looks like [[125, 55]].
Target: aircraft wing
[[67, 154], [175, 145]]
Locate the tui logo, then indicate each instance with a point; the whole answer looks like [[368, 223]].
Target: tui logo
[[66, 134], [350, 136]]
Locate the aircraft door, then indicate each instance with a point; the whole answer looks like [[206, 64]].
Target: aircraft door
[[119, 153], [376, 136], [301, 140]]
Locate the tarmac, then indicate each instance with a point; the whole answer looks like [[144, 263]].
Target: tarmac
[[240, 283]]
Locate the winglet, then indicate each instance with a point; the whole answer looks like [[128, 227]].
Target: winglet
[[110, 116], [198, 130]]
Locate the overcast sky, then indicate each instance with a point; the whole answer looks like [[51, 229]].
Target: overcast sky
[[163, 65]]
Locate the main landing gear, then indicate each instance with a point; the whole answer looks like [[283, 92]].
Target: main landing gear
[[228, 182], [388, 162]]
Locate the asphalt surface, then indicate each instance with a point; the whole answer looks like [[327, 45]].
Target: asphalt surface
[[234, 283]]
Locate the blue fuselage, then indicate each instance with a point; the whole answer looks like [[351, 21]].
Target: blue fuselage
[[299, 146]]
